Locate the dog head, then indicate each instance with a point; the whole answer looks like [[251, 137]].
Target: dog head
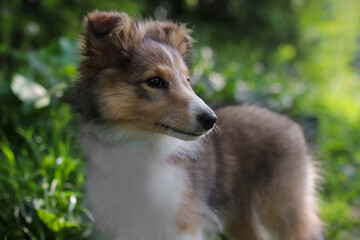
[[135, 74]]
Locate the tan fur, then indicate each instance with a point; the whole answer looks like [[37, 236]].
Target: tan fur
[[188, 214], [254, 172], [187, 218], [117, 99]]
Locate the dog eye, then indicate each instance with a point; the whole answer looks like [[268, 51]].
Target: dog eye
[[155, 82]]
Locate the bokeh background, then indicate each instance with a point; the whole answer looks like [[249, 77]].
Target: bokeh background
[[297, 57]]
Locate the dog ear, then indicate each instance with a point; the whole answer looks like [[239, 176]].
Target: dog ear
[[101, 23], [105, 30], [175, 35]]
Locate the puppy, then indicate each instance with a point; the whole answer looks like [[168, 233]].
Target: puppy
[[163, 165]]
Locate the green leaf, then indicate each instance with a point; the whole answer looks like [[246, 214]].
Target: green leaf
[[9, 155], [29, 92], [54, 222]]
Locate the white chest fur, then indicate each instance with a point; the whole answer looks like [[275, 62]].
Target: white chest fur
[[133, 191]]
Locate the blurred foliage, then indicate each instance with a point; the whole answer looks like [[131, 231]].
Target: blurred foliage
[[298, 57]]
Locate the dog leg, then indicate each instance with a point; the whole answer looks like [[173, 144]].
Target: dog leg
[[288, 209], [245, 226]]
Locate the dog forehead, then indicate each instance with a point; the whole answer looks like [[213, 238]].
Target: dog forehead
[[159, 52]]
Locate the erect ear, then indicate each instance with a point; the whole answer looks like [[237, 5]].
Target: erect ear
[[175, 35], [103, 29]]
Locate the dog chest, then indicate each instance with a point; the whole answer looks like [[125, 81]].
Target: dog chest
[[132, 190]]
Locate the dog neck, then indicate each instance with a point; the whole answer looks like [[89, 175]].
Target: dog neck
[[130, 172], [125, 135], [120, 135]]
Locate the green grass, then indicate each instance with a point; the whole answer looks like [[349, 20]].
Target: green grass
[[41, 182]]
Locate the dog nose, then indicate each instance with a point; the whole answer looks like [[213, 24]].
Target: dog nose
[[207, 120]]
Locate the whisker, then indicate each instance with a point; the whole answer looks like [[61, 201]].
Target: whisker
[[217, 129]]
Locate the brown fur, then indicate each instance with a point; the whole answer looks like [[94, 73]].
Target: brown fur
[[115, 45], [114, 92], [264, 175], [259, 181], [256, 171], [187, 218]]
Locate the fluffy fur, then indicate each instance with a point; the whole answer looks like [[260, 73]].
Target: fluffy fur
[[159, 169]]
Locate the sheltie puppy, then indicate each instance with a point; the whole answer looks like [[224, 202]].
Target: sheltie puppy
[[163, 165]]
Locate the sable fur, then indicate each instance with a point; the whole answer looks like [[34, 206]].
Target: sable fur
[[263, 178], [252, 174], [109, 42]]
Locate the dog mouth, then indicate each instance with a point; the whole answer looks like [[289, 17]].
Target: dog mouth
[[166, 127]]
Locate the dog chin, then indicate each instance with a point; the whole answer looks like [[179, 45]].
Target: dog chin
[[185, 136]]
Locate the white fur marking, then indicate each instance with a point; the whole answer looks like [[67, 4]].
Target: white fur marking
[[186, 236], [133, 192], [168, 53], [197, 106]]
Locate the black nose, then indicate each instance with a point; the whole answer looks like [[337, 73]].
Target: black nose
[[207, 120]]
